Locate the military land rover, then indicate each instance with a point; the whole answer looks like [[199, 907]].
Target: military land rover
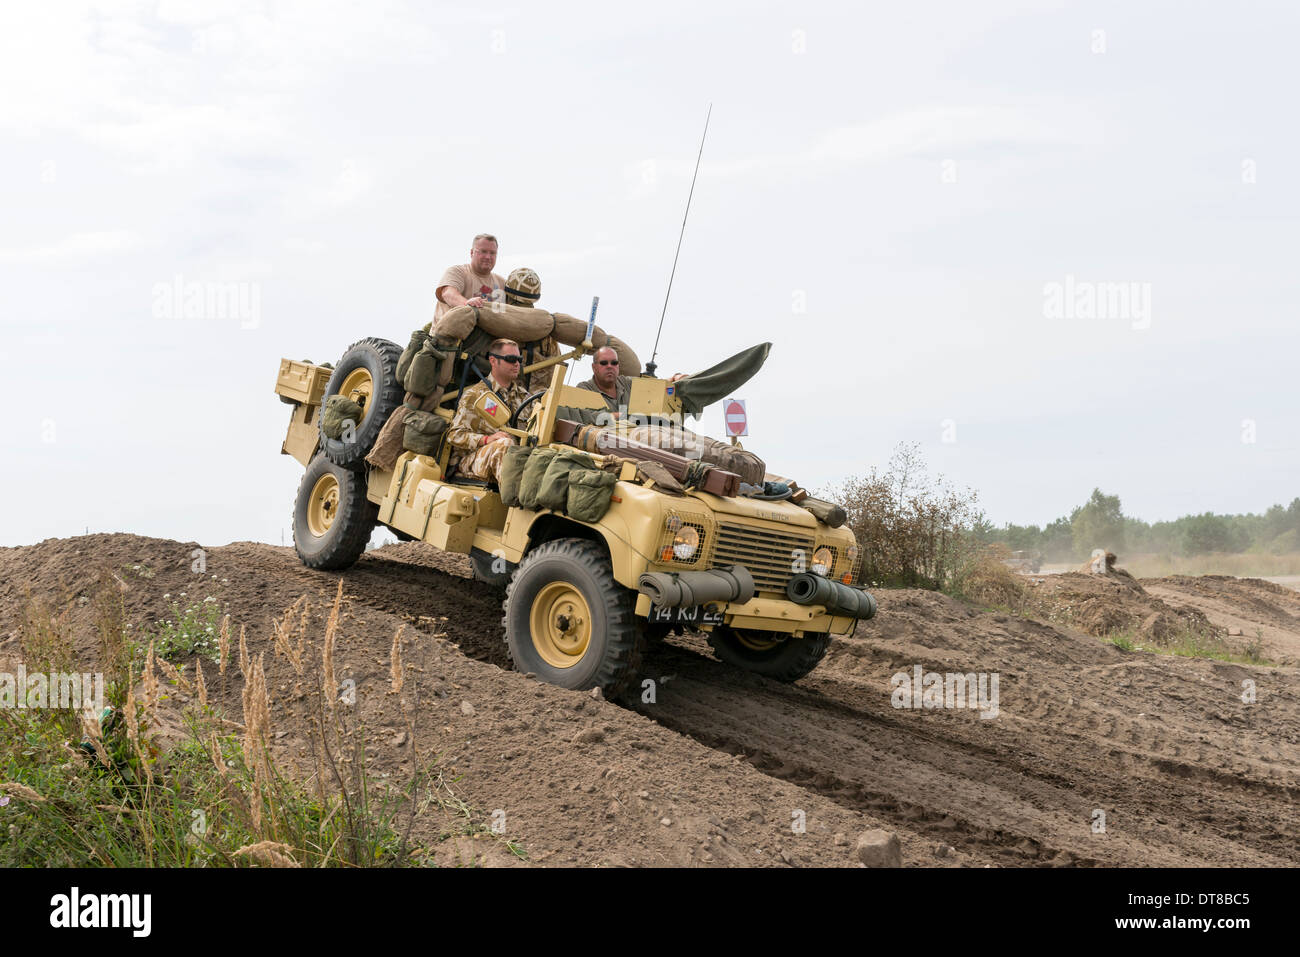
[[673, 540]]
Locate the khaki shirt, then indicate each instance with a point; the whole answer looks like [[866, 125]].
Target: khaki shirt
[[617, 403], [469, 425], [622, 390], [469, 284]]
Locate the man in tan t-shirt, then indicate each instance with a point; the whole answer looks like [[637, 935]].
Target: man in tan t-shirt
[[473, 284]]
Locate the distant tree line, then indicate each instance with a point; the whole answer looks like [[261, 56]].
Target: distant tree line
[[916, 530], [1101, 523]]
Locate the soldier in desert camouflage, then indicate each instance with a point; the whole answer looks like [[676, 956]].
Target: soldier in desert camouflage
[[477, 444]]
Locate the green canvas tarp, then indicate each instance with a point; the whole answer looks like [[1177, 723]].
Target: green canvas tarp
[[717, 382]]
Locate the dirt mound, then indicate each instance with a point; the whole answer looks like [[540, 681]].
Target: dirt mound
[[709, 765], [579, 780], [1111, 603], [1249, 610]]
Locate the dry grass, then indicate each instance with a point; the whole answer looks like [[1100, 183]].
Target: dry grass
[[397, 673], [327, 654], [210, 797], [986, 581], [45, 637]]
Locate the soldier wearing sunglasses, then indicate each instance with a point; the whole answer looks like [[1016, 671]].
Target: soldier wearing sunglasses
[[478, 446], [609, 382]]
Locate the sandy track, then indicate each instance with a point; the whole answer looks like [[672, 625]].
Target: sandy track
[[1185, 771]]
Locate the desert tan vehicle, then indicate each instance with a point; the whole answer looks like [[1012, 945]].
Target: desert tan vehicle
[[1025, 561], [765, 578]]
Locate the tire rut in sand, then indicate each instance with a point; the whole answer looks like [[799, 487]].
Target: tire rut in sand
[[921, 782], [1024, 793]]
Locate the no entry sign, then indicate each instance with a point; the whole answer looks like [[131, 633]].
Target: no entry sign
[[736, 419]]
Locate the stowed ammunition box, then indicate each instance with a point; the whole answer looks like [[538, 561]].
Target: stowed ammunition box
[[653, 397], [302, 381]]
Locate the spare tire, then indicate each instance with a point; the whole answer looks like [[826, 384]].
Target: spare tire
[[366, 374]]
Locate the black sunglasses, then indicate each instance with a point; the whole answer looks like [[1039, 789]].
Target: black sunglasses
[[607, 362], [513, 360]]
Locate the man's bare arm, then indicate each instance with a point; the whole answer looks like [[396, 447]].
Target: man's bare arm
[[453, 298]]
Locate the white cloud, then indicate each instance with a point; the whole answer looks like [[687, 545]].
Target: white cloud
[[76, 246], [351, 184], [563, 258], [941, 132], [170, 85]]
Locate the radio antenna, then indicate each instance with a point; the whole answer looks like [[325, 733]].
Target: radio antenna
[[650, 366]]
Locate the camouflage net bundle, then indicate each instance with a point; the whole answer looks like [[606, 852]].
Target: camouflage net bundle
[[525, 324], [692, 445]]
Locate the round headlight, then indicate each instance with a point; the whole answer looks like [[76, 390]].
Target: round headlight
[[685, 541], [853, 553], [822, 560]]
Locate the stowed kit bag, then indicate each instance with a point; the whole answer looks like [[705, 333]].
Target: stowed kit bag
[[553, 492], [512, 473], [590, 491], [747, 465], [430, 368], [338, 411], [430, 375], [534, 471], [423, 431], [418, 338]]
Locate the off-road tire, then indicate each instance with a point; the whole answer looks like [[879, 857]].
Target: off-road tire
[[612, 656], [788, 660], [379, 358], [482, 563], [350, 519]]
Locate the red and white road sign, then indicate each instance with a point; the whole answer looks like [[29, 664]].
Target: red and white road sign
[[737, 421]]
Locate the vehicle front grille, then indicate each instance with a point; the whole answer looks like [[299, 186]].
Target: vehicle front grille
[[769, 555]]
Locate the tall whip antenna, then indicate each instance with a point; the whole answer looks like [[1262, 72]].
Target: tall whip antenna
[[650, 366]]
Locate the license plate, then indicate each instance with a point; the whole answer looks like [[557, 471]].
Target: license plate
[[690, 615]]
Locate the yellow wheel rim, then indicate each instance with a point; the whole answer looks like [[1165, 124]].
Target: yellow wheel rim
[[359, 387], [323, 504], [560, 622], [755, 643]]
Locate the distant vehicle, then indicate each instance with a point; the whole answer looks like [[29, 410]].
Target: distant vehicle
[[1025, 561]]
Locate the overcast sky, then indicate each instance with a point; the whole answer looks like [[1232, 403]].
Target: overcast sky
[[918, 204]]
